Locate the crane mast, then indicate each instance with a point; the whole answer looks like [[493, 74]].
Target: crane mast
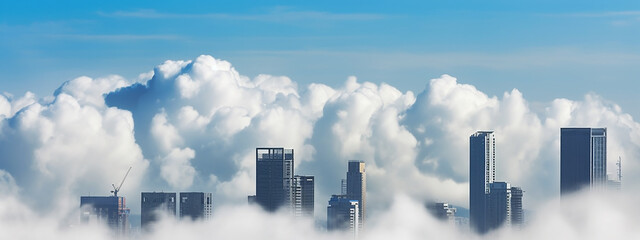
[[117, 189]]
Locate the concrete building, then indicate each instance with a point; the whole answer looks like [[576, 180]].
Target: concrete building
[[109, 210], [196, 205], [357, 187], [482, 163], [583, 159], [154, 203], [342, 214], [303, 195], [274, 178]]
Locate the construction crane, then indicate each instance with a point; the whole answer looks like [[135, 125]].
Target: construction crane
[[117, 189]]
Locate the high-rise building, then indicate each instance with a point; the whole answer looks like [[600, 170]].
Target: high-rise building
[[442, 211], [517, 214], [110, 210], [274, 178], [498, 205], [196, 205], [583, 159], [153, 203], [357, 187], [303, 195], [343, 186], [482, 163], [342, 214]]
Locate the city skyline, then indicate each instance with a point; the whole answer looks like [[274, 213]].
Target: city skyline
[[104, 107], [160, 122]]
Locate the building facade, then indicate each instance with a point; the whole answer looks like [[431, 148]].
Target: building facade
[[482, 162], [109, 210], [498, 205], [303, 195], [152, 203], [274, 178], [517, 213], [583, 159], [342, 214], [357, 187], [196, 205]]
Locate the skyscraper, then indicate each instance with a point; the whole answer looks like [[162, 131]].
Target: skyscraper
[[111, 210], [152, 203], [196, 205], [583, 159], [342, 214], [274, 178], [498, 209], [482, 163], [357, 187], [303, 195], [517, 214]]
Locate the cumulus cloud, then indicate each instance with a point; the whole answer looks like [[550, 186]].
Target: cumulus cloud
[[194, 126], [72, 145]]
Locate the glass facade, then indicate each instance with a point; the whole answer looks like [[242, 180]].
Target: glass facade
[[583, 158], [303, 195], [196, 205], [152, 202], [342, 214], [482, 162], [357, 187], [274, 177]]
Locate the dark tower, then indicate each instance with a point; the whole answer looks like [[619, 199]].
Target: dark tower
[[274, 177], [482, 162], [153, 202], [357, 187], [583, 158]]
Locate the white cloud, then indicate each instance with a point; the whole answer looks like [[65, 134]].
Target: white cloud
[[5, 107], [165, 134], [200, 121], [56, 151], [90, 91], [7, 184], [176, 169], [573, 218]]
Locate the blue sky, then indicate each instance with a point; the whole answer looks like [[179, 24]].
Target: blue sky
[[547, 49]]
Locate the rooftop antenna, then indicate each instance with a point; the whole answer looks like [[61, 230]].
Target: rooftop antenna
[[619, 164], [117, 189]]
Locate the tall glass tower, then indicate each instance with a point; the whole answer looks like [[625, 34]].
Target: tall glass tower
[[583, 159], [482, 164], [274, 178], [357, 187]]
